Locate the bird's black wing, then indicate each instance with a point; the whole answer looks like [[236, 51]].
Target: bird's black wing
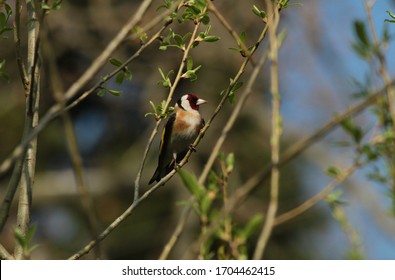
[[164, 149]]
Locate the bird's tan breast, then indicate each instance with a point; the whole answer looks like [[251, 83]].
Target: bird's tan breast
[[187, 124]]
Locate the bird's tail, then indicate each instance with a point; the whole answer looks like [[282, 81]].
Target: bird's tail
[[155, 177], [161, 172]]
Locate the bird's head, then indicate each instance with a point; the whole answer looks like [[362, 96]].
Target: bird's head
[[190, 102]]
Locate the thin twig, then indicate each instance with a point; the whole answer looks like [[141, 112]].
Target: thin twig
[[31, 120], [17, 42], [273, 21]]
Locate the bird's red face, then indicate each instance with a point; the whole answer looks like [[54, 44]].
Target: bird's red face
[[190, 102]]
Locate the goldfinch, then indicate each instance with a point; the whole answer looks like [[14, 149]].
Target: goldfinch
[[178, 134]]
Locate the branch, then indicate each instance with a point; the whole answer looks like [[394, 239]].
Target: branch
[[31, 120], [17, 42], [273, 20]]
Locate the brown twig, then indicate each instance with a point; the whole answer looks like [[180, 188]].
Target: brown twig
[[31, 120], [273, 21]]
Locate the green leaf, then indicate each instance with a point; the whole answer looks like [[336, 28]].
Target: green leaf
[[243, 37], [369, 152], [335, 197], [211, 38], [192, 184], [205, 19], [189, 63], [30, 233], [8, 9], [258, 12], [127, 75], [230, 162], [333, 171], [20, 238], [360, 31], [178, 39], [352, 129], [392, 15], [115, 92], [165, 82], [119, 78], [252, 226], [102, 92], [115, 62]]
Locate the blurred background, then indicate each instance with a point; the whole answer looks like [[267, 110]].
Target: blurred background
[[317, 70]]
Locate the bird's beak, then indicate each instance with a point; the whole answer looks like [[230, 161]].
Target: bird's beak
[[200, 102]]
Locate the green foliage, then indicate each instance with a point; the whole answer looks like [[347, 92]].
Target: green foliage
[[285, 4], [240, 43], [174, 40], [165, 82], [196, 11], [355, 131], [167, 4], [260, 13], [140, 33], [333, 171], [363, 45], [157, 110], [124, 74], [190, 71], [25, 240], [392, 15], [103, 91], [205, 37], [4, 17], [234, 86], [52, 6]]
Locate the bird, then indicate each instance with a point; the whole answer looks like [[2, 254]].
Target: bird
[[178, 134]]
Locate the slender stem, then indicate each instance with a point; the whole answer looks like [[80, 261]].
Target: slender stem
[[273, 21], [31, 120], [17, 42]]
